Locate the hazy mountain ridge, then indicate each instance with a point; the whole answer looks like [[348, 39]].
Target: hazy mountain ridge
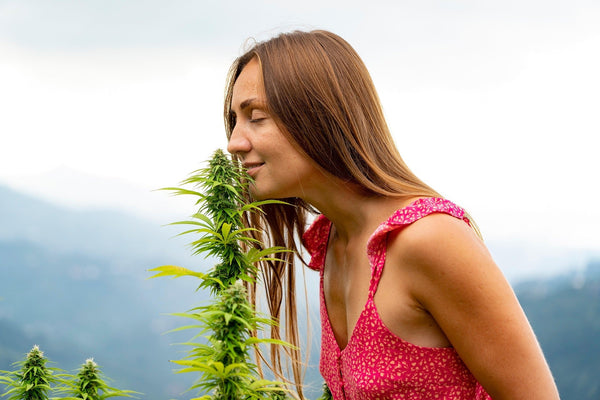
[[75, 309], [75, 282], [103, 233], [565, 314]]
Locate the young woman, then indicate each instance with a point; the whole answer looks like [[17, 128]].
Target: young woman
[[412, 304]]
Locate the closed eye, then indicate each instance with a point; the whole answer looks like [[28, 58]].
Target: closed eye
[[257, 115]]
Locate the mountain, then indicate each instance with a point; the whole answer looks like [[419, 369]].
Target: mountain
[[100, 233], [75, 283], [564, 311]]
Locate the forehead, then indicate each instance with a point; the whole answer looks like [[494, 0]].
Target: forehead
[[248, 84]]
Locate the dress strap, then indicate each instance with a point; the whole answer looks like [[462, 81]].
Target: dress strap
[[377, 244]]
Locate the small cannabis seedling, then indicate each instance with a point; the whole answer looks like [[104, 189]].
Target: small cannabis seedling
[[228, 324]]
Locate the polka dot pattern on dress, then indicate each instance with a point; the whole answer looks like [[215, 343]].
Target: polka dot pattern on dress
[[376, 364]]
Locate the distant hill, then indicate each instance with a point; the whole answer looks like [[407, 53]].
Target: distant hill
[[101, 233], [565, 314], [74, 282], [74, 309]]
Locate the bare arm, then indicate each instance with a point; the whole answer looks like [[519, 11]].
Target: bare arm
[[455, 279]]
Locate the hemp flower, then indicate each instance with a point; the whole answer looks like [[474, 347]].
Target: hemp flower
[[223, 362], [32, 381]]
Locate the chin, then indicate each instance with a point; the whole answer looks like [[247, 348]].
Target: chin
[[259, 195]]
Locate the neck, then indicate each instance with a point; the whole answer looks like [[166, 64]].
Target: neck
[[353, 213]]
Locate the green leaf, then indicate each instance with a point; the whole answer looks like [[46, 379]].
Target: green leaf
[[255, 340], [255, 206], [225, 230], [175, 271], [179, 191]]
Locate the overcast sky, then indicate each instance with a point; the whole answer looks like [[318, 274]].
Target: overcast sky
[[493, 103]]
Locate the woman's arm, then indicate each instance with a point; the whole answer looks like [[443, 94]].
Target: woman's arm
[[455, 279]]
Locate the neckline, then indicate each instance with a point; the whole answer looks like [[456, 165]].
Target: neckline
[[339, 348], [370, 297]]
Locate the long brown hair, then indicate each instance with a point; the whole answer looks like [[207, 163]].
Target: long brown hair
[[321, 95]]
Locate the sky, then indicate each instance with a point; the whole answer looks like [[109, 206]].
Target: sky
[[493, 103]]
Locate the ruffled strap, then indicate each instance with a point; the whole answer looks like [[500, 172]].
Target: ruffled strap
[[315, 240], [377, 244]]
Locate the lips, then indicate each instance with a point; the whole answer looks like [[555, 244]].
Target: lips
[[252, 167]]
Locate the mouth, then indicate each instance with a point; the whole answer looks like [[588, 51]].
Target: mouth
[[252, 168]]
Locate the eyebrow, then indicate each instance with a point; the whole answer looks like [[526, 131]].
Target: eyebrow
[[247, 103]]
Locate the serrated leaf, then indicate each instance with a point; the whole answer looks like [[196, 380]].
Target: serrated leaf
[[175, 271]]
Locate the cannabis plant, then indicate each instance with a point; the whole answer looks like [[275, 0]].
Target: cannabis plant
[[227, 324], [33, 380], [90, 384]]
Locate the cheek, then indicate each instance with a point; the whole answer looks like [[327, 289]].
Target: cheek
[[302, 168]]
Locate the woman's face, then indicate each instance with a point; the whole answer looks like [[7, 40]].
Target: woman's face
[[278, 168]]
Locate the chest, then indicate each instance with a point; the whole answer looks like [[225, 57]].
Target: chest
[[347, 283], [346, 280]]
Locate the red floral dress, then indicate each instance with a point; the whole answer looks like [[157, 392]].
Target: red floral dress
[[377, 364]]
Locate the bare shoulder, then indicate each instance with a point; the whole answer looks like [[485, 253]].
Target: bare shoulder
[[450, 270], [436, 243], [453, 277]]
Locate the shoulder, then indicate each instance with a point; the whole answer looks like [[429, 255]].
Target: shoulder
[[434, 231], [452, 276], [439, 246]]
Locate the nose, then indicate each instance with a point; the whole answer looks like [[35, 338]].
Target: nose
[[238, 142]]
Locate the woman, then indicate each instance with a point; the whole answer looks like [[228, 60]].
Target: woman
[[412, 304]]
